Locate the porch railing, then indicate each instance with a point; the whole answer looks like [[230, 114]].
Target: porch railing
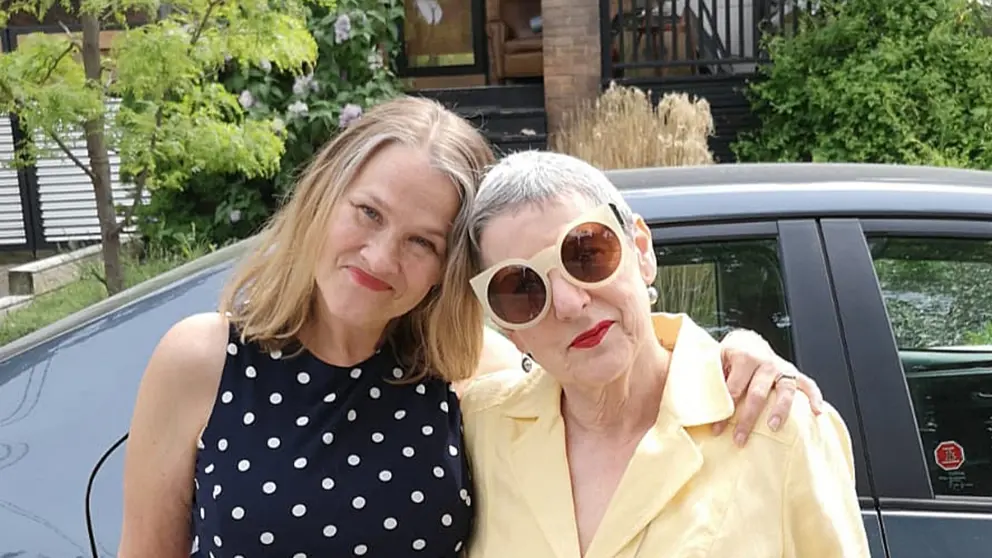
[[645, 39]]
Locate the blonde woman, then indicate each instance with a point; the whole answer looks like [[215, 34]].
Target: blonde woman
[[314, 414]]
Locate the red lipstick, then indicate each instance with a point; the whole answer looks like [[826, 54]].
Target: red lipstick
[[592, 336], [368, 281]]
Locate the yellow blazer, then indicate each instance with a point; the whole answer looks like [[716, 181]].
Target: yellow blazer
[[685, 493]]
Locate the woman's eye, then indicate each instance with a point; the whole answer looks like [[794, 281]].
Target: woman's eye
[[423, 242], [370, 213]]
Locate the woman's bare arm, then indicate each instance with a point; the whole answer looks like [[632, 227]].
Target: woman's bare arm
[[174, 400]]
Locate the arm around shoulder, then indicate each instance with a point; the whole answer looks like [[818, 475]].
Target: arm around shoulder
[[173, 403], [822, 514]]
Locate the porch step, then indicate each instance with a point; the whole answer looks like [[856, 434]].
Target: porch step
[[505, 96]]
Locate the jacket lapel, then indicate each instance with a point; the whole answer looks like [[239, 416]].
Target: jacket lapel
[[665, 461], [540, 465]]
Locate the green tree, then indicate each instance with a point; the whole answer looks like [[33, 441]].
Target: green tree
[[174, 119], [880, 81]]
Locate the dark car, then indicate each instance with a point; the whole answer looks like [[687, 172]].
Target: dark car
[[875, 280]]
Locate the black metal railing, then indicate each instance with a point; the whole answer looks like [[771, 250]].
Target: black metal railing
[[676, 38]]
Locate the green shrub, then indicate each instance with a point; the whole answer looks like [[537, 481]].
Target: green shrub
[[882, 81], [357, 40]]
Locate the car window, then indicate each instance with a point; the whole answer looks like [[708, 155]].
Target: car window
[[726, 285], [938, 295]]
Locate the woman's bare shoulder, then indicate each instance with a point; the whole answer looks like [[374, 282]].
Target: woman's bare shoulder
[[191, 354]]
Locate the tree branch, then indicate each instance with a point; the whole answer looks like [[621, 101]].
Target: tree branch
[[203, 22], [68, 152], [58, 60], [142, 178], [72, 40]]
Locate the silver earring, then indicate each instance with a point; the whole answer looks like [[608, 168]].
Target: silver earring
[[652, 295], [527, 363]]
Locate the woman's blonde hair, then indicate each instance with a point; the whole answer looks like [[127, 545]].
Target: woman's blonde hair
[[270, 297]]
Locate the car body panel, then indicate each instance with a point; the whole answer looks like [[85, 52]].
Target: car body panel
[[62, 404], [67, 393]]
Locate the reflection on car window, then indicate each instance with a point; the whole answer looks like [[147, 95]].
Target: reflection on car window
[[726, 285], [938, 294]]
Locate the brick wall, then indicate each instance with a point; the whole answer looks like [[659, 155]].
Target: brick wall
[[572, 61]]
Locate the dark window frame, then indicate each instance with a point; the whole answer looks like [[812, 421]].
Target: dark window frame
[[895, 447]]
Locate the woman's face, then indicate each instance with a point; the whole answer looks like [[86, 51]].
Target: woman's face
[[588, 336], [387, 238]]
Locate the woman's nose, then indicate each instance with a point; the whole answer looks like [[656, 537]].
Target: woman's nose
[[382, 254], [567, 299]]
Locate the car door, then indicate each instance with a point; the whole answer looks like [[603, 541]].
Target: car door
[[915, 302], [770, 277]]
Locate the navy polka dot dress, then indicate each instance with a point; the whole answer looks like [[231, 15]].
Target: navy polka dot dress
[[301, 459]]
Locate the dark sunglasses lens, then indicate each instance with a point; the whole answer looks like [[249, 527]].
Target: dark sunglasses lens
[[591, 252], [516, 294]]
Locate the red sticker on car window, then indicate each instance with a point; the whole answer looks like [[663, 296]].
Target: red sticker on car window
[[949, 455]]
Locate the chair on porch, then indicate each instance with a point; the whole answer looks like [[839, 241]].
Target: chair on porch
[[516, 48]]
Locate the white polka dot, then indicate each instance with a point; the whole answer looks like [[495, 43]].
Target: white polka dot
[[300, 462], [327, 483], [468, 501], [399, 414], [417, 496], [458, 546], [358, 503], [222, 444], [446, 520], [427, 430], [408, 451], [397, 373], [217, 491], [453, 451], [361, 549], [209, 469], [300, 555], [249, 417], [269, 487], [267, 538], [330, 397], [327, 438], [352, 415], [377, 437], [439, 472], [330, 531], [389, 523], [273, 442], [203, 513], [218, 541], [275, 398], [354, 460], [463, 494], [302, 421], [232, 349], [385, 476], [276, 354], [421, 389], [356, 373], [199, 444], [244, 465], [238, 513], [444, 406], [299, 510], [374, 393], [251, 372], [227, 397], [419, 544], [303, 378]]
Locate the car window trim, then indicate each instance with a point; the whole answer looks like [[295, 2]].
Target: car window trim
[[928, 228]]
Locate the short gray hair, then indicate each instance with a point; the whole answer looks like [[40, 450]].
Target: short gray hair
[[529, 178]]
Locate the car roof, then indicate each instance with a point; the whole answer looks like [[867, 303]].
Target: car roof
[[793, 190]]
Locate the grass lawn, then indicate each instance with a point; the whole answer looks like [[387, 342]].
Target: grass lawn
[[55, 305]]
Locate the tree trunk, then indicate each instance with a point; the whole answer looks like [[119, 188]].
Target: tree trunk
[[96, 147]]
